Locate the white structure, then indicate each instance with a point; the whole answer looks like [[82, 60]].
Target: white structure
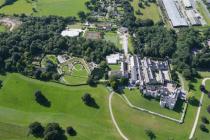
[[114, 58], [71, 32], [61, 59], [187, 3]]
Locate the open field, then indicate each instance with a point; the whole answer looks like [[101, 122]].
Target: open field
[[148, 12], [133, 123], [45, 7], [151, 104], [18, 109], [199, 134]]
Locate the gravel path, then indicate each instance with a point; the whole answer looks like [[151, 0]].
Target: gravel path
[[198, 111]]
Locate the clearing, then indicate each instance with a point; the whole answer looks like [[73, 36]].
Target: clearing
[[148, 12]]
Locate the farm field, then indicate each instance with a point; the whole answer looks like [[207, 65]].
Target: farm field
[[63, 8], [151, 104], [148, 12], [66, 109], [206, 101], [137, 122]]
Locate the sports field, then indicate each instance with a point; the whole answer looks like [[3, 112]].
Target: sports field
[[45, 7], [148, 12], [18, 109]]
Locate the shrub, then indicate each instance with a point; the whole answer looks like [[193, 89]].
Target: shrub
[[53, 131], [88, 100], [36, 129], [205, 120], [208, 109], [70, 130], [203, 128]]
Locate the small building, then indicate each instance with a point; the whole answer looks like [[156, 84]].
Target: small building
[[114, 58], [187, 3], [71, 32], [61, 59], [104, 26], [123, 30]]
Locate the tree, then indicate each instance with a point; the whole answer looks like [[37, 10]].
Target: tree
[[41, 99], [82, 15], [204, 120], [193, 101], [150, 134], [1, 83], [88, 100], [70, 130], [53, 131], [208, 109], [203, 128], [36, 129]]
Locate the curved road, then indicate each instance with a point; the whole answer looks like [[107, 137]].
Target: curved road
[[198, 111], [113, 119]]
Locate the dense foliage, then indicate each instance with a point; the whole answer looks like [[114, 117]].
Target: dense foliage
[[22, 50], [155, 41], [36, 129], [41, 99]]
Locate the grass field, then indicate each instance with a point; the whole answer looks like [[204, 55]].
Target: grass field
[[45, 7], [148, 12], [115, 67], [133, 123], [199, 134], [18, 109], [2, 28], [78, 75], [114, 38], [137, 99], [203, 12]]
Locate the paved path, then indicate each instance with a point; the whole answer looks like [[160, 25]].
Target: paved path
[[198, 111], [113, 119], [150, 112]]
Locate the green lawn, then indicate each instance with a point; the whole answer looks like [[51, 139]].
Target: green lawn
[[2, 28], [115, 67], [77, 76], [18, 109], [199, 134], [46, 7], [133, 123], [51, 58], [148, 12], [203, 12], [114, 38], [137, 99]]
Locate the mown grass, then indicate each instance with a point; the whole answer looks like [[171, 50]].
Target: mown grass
[[2, 28], [203, 12], [133, 123], [206, 102], [148, 12], [18, 109], [137, 99], [115, 67], [114, 38], [63, 8]]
